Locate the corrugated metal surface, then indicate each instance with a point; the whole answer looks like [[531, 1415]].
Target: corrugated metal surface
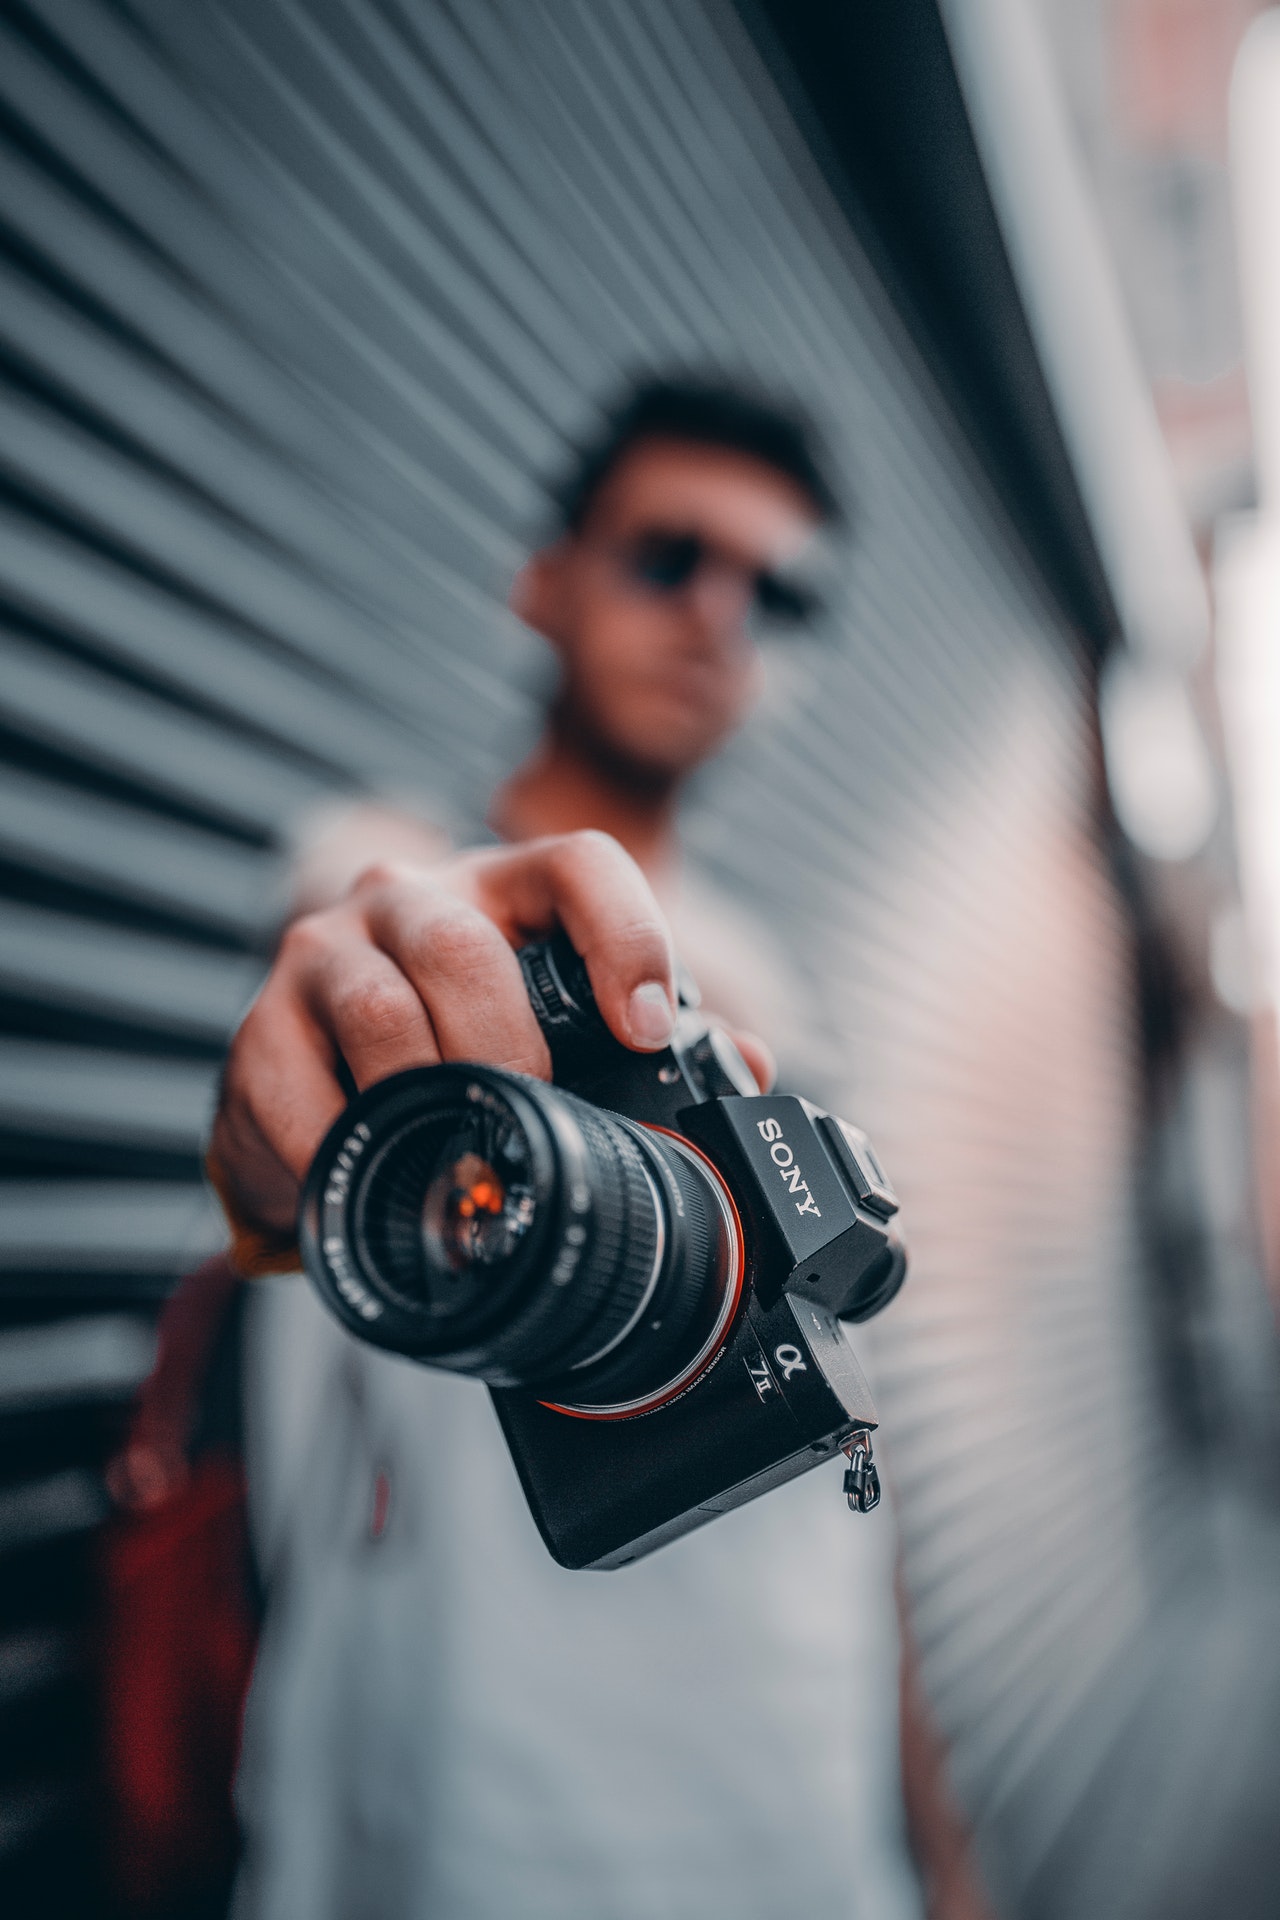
[[297, 302]]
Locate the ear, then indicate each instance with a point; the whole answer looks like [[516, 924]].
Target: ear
[[537, 592]]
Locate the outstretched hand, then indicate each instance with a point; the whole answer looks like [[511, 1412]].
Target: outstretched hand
[[411, 967]]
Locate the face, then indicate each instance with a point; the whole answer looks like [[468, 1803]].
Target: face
[[658, 670]]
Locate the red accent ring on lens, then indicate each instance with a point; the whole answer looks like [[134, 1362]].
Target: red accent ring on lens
[[730, 1314]]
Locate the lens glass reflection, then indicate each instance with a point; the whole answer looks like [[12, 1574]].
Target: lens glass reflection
[[471, 1215], [477, 1208], [445, 1205]]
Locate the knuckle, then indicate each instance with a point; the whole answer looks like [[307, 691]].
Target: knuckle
[[594, 842], [380, 876], [592, 846], [373, 1007], [461, 944], [303, 940]]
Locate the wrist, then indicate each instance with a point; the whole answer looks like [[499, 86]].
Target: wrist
[[257, 1247]]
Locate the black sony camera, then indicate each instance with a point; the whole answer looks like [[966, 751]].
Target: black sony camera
[[647, 1262]]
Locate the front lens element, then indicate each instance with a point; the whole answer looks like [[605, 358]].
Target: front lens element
[[473, 1215], [445, 1204]]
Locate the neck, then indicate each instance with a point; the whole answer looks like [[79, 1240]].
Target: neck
[[569, 782]]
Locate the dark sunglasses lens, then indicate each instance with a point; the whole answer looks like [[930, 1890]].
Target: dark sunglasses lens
[[785, 603], [666, 562]]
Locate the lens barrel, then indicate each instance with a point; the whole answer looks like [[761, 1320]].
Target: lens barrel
[[493, 1225]]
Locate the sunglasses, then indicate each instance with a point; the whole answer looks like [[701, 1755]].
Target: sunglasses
[[668, 563]]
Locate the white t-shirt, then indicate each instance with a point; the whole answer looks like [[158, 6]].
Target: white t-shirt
[[446, 1725]]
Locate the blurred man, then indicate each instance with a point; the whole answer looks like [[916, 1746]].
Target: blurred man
[[444, 1722]]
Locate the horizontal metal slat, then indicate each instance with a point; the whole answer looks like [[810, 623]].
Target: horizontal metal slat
[[495, 358], [241, 262], [137, 856], [472, 202], [32, 1661], [289, 504], [382, 655], [106, 1226], [61, 960], [111, 725], [126, 617], [96, 1094], [592, 138], [259, 394], [113, 497], [553, 210], [42, 1512], [94, 1358], [30, 1814]]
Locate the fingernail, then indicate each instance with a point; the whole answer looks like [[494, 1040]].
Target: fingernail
[[649, 1015]]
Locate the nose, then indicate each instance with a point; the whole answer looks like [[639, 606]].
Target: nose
[[719, 599]]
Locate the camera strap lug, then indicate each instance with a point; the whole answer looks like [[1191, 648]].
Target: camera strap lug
[[861, 1481]]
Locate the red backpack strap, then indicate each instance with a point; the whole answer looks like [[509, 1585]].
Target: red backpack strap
[[175, 1624], [153, 1462]]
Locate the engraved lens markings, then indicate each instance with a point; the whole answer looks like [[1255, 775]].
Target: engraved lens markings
[[335, 1245]]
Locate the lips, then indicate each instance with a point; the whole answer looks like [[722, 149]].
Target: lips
[[706, 688]]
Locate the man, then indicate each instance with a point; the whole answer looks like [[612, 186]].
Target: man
[[444, 1722]]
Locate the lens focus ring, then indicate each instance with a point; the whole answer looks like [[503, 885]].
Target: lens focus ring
[[617, 1268]]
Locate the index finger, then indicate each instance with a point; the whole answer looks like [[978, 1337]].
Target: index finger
[[597, 893]]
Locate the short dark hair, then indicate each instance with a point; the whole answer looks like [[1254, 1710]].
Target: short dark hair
[[705, 413]]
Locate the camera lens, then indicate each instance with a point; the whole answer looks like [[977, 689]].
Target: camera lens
[[500, 1227]]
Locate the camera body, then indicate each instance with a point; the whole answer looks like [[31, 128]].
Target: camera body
[[773, 1213]]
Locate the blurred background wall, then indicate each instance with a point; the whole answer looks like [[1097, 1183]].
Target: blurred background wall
[[300, 299]]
